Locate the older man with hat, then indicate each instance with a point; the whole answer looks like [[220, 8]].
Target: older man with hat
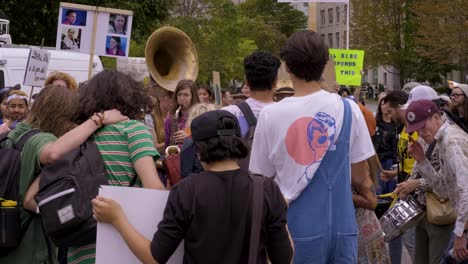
[[424, 117]]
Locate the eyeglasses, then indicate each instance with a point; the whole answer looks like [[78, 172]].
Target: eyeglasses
[[456, 95]]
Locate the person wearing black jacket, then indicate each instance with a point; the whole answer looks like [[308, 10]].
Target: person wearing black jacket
[[385, 143]]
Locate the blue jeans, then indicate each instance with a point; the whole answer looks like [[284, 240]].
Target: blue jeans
[[395, 247]]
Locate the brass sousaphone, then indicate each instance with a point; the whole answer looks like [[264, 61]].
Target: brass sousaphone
[[171, 57]]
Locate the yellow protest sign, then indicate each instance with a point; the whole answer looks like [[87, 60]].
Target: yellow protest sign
[[348, 65]]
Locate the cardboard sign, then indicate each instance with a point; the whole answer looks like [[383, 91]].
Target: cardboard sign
[[96, 30], [217, 89], [348, 66], [36, 68], [134, 67], [144, 209]]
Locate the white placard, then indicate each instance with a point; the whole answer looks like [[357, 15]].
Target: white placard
[[36, 68], [133, 66], [75, 30], [313, 1], [144, 209]]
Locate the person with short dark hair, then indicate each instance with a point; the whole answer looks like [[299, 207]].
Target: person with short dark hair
[[312, 144], [261, 71], [344, 92], [211, 211]]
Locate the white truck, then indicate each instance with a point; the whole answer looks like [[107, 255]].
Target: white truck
[[14, 58], [13, 62]]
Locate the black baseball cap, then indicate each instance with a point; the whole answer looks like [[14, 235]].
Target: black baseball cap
[[210, 125]]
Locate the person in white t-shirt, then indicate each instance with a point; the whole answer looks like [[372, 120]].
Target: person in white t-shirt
[[313, 144], [261, 71]]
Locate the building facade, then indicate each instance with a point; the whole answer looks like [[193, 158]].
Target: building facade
[[331, 24]]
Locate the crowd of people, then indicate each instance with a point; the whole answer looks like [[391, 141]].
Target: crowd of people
[[321, 157]]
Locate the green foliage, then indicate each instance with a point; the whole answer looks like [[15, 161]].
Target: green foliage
[[109, 63], [226, 33], [424, 39]]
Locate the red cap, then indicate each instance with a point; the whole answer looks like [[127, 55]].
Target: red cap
[[418, 112]]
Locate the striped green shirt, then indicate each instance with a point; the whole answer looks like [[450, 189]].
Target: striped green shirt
[[120, 145]]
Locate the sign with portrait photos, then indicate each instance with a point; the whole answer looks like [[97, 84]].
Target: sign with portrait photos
[[94, 30]]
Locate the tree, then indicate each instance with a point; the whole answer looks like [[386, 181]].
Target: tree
[[281, 16], [386, 31], [442, 35], [33, 20]]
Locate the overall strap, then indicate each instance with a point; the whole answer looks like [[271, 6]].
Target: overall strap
[[347, 120], [257, 213]]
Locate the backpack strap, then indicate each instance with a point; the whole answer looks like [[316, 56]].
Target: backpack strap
[[25, 137], [257, 214], [248, 113]]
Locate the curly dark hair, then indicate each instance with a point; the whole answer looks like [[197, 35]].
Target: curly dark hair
[[306, 55], [261, 70], [113, 90], [222, 147]]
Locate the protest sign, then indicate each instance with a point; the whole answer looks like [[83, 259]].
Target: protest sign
[[217, 89], [134, 67], [144, 209], [94, 30], [36, 68], [348, 66]]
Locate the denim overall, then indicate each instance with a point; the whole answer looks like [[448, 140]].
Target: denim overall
[[321, 220]]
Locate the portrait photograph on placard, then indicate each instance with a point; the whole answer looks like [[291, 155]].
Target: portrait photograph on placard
[[74, 17], [116, 46], [118, 24], [70, 38]]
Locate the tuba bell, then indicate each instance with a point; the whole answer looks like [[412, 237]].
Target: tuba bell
[[170, 57]]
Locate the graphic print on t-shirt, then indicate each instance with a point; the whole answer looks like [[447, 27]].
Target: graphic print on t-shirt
[[309, 138]]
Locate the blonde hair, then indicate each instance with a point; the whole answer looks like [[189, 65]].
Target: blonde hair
[[67, 78], [197, 110]]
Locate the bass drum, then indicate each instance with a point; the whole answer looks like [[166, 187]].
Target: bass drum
[[401, 217]]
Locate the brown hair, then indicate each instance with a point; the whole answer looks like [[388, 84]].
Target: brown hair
[[113, 90], [306, 55], [181, 86], [67, 78], [48, 113]]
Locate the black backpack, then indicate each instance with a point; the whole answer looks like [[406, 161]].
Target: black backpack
[[65, 192], [11, 230], [252, 122]]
